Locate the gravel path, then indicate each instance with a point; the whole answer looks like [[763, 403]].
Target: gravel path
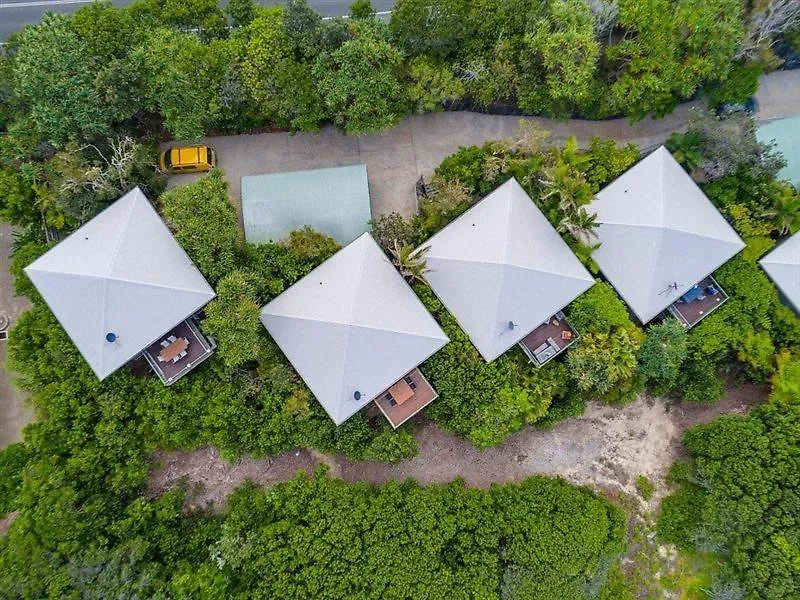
[[606, 448]]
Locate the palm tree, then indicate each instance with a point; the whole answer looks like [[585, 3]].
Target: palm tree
[[568, 187], [410, 263], [785, 211], [580, 224]]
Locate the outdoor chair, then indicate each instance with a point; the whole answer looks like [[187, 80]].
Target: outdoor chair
[[391, 400], [712, 290], [164, 343]]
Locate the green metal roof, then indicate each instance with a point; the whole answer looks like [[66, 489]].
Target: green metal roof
[[786, 135], [332, 201]]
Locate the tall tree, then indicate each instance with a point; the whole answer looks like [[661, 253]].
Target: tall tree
[[668, 50], [281, 86], [205, 224], [360, 81], [559, 59], [54, 73]]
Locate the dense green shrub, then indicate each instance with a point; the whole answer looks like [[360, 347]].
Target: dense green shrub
[[54, 74], [558, 63], [607, 161], [740, 83], [739, 497], [280, 85], [537, 539], [17, 199], [190, 209], [360, 81], [468, 166], [232, 318], [432, 86], [662, 354], [598, 310], [604, 364], [13, 459]]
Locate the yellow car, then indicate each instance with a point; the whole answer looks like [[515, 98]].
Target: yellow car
[[188, 159]]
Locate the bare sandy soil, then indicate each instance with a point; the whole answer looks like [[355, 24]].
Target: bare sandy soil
[[606, 448]]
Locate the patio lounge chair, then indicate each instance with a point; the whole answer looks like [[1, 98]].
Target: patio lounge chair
[[695, 293]]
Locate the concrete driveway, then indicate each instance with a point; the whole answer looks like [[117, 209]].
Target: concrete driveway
[[396, 159]]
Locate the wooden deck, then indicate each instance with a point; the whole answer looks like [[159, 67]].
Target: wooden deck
[[691, 313], [398, 414], [554, 330], [200, 348]]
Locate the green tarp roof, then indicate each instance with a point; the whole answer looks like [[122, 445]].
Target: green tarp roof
[[786, 134], [332, 201]]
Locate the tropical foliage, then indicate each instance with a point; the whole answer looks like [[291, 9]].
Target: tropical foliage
[[738, 494], [107, 70]]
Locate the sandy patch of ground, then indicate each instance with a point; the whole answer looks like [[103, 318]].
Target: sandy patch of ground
[[607, 448], [7, 520]]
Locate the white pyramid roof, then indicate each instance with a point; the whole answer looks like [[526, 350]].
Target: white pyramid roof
[[502, 261], [783, 267], [121, 273], [352, 325], [657, 229]]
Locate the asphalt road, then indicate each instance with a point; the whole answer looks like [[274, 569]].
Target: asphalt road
[[15, 14]]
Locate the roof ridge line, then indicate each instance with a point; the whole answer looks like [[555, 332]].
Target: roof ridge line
[[516, 266], [104, 280], [504, 264], [349, 324], [668, 228], [771, 261], [661, 185], [120, 279], [157, 285], [124, 228]]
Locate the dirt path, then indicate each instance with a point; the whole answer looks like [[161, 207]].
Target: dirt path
[[15, 413], [607, 447]]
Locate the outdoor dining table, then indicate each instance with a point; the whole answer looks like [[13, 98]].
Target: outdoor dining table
[[401, 391], [174, 349]]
